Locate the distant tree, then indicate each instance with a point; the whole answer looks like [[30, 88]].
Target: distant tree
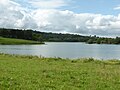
[[98, 41], [117, 40], [90, 41]]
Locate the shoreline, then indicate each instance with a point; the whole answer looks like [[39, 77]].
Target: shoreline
[[40, 56]]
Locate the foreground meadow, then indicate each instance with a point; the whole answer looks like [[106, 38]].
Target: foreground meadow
[[34, 73]]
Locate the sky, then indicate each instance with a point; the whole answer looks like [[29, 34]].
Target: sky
[[84, 17]]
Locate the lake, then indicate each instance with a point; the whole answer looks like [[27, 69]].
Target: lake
[[65, 50]]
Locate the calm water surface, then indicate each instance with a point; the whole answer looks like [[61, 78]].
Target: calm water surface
[[65, 50]]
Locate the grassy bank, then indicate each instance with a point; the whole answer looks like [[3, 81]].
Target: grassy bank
[[11, 41], [33, 73]]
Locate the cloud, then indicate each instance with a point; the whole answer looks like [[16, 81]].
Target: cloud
[[83, 23], [48, 4], [117, 8], [13, 15]]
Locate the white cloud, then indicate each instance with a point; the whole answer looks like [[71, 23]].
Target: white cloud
[[12, 15], [48, 4], [117, 8], [67, 21]]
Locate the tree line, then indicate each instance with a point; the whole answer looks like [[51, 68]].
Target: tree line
[[55, 37], [103, 40], [41, 36]]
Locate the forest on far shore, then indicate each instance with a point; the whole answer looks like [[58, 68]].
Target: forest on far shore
[[55, 37]]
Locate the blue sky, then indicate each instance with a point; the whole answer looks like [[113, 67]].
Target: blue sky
[[96, 6], [86, 17], [105, 7]]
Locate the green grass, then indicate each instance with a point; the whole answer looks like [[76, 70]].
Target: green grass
[[33, 73], [11, 41]]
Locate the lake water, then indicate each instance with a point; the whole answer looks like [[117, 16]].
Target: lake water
[[65, 50]]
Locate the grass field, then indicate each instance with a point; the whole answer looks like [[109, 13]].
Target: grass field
[[11, 41], [33, 73]]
